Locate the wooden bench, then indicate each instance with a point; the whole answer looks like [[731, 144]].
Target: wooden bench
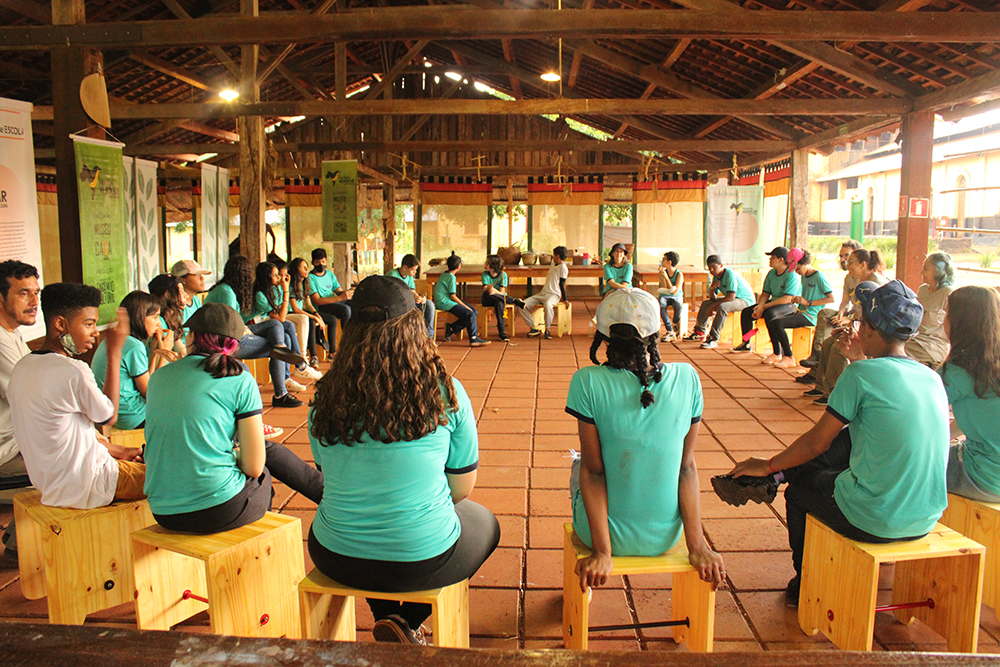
[[562, 318], [979, 521], [691, 598], [800, 340], [938, 580], [327, 609], [81, 559], [485, 313], [133, 438]]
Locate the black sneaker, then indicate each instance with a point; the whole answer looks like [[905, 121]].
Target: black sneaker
[[742, 347], [548, 335], [519, 303], [504, 338], [394, 630], [447, 332], [808, 378], [737, 491], [694, 335], [813, 393], [478, 342], [285, 401], [792, 592], [822, 400], [811, 362], [534, 332], [282, 353]]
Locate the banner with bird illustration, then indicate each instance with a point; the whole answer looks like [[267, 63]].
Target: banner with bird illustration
[[340, 201], [101, 192], [733, 224]]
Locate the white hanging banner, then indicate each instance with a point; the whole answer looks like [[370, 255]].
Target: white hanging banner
[[732, 225], [131, 240], [147, 227], [222, 218], [208, 219], [19, 238]]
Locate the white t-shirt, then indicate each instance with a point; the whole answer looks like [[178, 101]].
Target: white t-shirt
[[55, 403], [12, 348], [556, 272]]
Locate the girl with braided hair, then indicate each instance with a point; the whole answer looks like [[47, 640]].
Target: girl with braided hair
[[636, 486]]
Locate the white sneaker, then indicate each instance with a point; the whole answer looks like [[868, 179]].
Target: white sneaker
[[307, 373], [709, 344], [293, 386]]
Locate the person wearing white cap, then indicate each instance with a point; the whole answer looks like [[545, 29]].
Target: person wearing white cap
[[635, 490], [192, 276]]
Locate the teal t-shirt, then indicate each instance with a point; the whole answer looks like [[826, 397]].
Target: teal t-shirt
[[619, 274], [223, 293], [261, 308], [642, 450], [190, 310], [190, 427], [814, 288], [324, 286], [730, 281], [410, 282], [979, 419], [897, 412], [391, 501], [674, 278], [443, 289], [499, 282], [135, 362], [787, 284]]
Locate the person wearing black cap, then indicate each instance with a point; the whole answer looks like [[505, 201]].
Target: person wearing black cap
[[873, 468], [197, 481], [781, 284], [395, 436], [617, 270]]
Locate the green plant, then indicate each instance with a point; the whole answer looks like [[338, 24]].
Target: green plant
[[986, 261], [825, 245]]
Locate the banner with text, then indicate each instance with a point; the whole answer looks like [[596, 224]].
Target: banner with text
[[19, 238], [340, 201], [100, 189], [732, 225]]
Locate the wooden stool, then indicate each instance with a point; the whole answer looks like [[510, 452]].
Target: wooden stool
[[80, 558], [562, 318], [259, 369], [979, 521], [802, 341], [691, 598], [246, 577], [327, 609], [134, 438], [938, 580], [485, 313], [443, 316]]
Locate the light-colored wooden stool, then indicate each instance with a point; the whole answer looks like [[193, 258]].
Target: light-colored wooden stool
[[979, 521], [259, 369], [562, 318], [133, 438], [691, 598], [802, 342], [80, 558], [938, 580], [327, 609], [485, 313], [443, 316], [246, 578]]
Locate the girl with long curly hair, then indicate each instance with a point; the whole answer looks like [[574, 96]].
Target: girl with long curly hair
[[971, 376], [395, 437], [635, 489]]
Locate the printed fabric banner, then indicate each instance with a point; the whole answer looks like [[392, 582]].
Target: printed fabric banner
[[340, 201], [732, 224], [131, 257], [19, 237], [100, 189], [222, 227], [147, 229], [209, 218]]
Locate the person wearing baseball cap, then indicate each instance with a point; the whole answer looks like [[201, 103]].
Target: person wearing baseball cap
[[191, 407], [780, 284], [395, 436], [635, 489], [193, 278], [617, 270], [873, 468]]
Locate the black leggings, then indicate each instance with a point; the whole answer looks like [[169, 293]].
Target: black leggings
[[498, 303], [776, 329], [746, 315], [478, 539], [254, 499]]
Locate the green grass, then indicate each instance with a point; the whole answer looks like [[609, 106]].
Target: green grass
[[986, 261]]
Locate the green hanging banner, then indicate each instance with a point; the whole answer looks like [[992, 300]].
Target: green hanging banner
[[101, 193], [340, 201]]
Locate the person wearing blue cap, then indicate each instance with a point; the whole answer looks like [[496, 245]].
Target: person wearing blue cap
[[874, 466]]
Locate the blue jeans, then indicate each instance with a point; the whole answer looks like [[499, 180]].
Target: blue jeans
[[959, 481], [666, 301], [258, 345], [430, 315], [466, 320]]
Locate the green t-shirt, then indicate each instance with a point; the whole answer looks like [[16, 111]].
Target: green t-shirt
[[261, 308], [730, 281], [897, 412], [325, 285], [224, 294], [499, 282], [979, 419], [642, 450], [443, 289], [814, 288], [391, 501], [619, 274], [787, 284], [135, 362], [190, 427], [410, 282], [190, 310]]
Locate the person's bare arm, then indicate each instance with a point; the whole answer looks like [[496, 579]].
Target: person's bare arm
[[708, 563], [461, 485], [114, 341], [250, 456], [806, 447], [594, 569]]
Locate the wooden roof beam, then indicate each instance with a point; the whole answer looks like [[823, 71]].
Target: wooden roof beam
[[515, 83], [168, 68], [29, 8]]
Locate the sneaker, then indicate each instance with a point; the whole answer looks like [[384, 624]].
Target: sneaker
[[822, 400], [478, 342], [813, 393], [792, 592], [808, 378], [742, 347], [272, 431], [668, 337], [504, 338], [447, 332], [737, 491], [812, 361], [709, 345], [534, 332], [770, 359], [308, 373], [394, 630], [548, 335], [282, 353], [519, 303], [286, 401], [694, 335], [785, 362], [314, 362], [292, 385]]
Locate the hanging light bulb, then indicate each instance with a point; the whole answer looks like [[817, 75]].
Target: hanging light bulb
[[229, 95], [551, 77]]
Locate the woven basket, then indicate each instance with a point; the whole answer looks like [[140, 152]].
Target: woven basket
[[528, 258], [511, 255], [544, 259]]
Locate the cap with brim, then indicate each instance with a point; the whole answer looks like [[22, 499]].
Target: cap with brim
[[618, 246], [629, 306], [162, 284], [795, 255], [187, 267], [781, 252], [380, 299], [891, 308], [216, 318]]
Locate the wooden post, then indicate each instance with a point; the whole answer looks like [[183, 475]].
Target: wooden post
[[510, 211], [798, 228], [253, 152], [914, 183], [389, 226]]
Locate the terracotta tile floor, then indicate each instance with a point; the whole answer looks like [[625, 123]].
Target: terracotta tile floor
[[518, 391]]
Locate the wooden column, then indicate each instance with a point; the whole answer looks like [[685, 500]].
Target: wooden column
[[914, 182], [389, 227], [253, 152], [798, 226]]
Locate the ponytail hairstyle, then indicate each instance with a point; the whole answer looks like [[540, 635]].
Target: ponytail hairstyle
[[217, 350], [628, 351], [262, 283], [870, 258], [944, 270]]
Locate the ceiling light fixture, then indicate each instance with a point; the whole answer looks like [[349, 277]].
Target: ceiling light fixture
[[551, 77], [229, 95]]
